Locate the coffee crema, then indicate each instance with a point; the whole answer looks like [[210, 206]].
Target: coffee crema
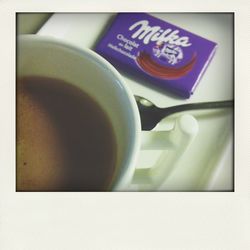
[[65, 140]]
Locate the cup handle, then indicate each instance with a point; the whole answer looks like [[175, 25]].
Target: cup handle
[[174, 143]]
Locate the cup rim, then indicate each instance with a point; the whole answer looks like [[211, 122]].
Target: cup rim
[[110, 69]]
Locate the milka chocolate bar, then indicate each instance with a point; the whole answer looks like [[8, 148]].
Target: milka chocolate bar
[[166, 55]]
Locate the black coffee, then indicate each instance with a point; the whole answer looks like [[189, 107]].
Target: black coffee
[[65, 141]]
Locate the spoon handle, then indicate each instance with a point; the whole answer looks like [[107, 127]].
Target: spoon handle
[[194, 106]]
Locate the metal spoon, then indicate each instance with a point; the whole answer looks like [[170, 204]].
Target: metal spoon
[[151, 115]]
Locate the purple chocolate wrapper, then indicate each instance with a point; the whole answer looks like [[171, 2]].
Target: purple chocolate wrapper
[[162, 53]]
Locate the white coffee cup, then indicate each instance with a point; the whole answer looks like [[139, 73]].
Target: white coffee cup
[[50, 57]]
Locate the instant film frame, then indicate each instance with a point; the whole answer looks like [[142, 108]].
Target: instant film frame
[[195, 220]]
